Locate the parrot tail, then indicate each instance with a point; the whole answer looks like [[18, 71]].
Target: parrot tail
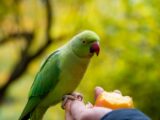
[[29, 108], [38, 113], [26, 112]]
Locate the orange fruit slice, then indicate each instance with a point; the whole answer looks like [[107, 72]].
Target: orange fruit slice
[[114, 100]]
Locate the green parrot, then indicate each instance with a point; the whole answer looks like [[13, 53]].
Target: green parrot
[[60, 74]]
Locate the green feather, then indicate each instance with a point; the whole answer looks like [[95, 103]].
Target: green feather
[[30, 106], [44, 81], [42, 84]]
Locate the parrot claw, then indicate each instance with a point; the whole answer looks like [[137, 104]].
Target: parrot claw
[[73, 96], [78, 96]]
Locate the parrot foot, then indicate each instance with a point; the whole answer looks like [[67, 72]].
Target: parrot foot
[[73, 96]]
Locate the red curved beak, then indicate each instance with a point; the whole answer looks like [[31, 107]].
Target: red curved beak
[[95, 48]]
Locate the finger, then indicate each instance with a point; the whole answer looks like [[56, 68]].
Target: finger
[[68, 116], [77, 108], [89, 105], [98, 91], [68, 105]]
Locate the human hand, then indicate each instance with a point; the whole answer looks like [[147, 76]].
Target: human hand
[[77, 110]]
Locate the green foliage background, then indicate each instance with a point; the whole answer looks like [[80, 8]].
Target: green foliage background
[[129, 57]]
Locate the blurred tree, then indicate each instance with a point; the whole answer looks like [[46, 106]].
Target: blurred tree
[[28, 36]]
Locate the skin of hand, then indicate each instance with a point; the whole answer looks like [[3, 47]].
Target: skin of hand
[[77, 110]]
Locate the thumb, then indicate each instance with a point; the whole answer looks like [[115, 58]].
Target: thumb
[[98, 90]]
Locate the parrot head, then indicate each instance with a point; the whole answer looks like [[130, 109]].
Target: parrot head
[[85, 44]]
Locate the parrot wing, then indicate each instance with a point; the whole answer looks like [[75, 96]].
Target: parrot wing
[[45, 81], [47, 77]]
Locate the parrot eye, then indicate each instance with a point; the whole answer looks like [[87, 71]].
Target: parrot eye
[[83, 41]]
